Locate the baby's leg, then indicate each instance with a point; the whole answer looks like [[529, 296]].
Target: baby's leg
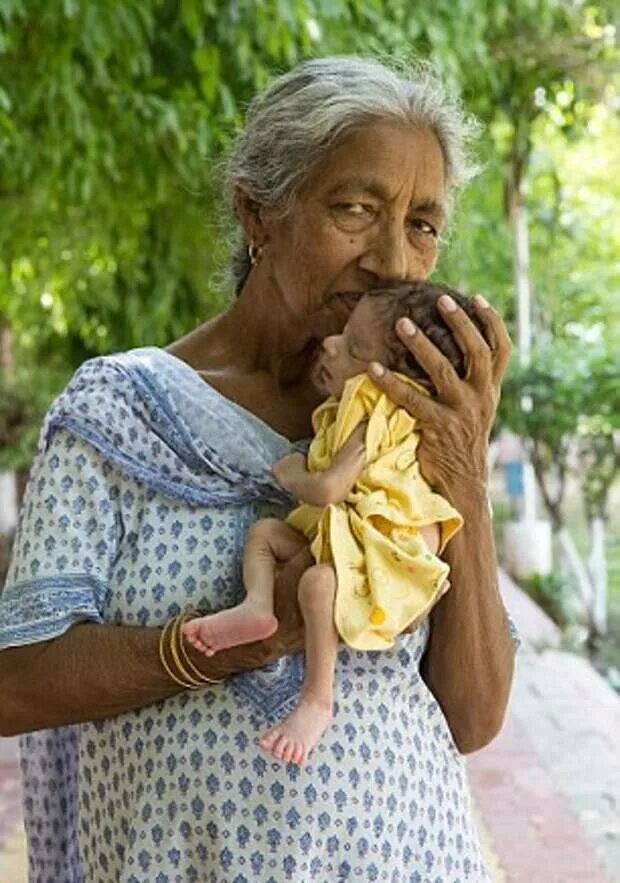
[[268, 541], [294, 738]]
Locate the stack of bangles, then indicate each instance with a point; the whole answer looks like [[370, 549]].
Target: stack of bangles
[[175, 658]]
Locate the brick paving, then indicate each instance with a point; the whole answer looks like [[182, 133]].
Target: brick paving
[[548, 788], [546, 792]]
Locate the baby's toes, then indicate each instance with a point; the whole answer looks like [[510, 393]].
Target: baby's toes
[[269, 739], [280, 747], [189, 631], [198, 644], [290, 751], [299, 754]]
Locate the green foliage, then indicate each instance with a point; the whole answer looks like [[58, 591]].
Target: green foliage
[[565, 382], [22, 406], [575, 240], [477, 254], [568, 393], [114, 119], [554, 596]]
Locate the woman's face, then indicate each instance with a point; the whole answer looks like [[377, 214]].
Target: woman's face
[[364, 339], [370, 214]]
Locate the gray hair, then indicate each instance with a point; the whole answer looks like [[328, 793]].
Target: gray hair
[[293, 125]]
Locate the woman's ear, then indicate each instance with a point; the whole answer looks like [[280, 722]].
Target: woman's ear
[[248, 213]]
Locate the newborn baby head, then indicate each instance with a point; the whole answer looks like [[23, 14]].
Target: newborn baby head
[[369, 335]]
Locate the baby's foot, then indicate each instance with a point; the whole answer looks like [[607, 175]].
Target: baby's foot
[[228, 628], [293, 739]]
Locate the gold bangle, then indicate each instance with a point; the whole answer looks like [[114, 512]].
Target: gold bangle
[[175, 637], [189, 614], [162, 659]]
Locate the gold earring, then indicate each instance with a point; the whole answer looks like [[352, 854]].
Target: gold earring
[[254, 253]]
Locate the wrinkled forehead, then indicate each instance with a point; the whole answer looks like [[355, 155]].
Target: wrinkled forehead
[[384, 157]]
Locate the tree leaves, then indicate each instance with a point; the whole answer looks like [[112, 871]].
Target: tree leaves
[[114, 119]]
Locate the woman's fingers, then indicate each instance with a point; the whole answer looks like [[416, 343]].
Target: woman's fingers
[[443, 376], [420, 406], [497, 336], [474, 347]]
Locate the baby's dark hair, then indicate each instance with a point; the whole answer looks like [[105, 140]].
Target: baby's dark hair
[[418, 302]]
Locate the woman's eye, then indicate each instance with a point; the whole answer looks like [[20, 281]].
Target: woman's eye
[[358, 209], [422, 226]]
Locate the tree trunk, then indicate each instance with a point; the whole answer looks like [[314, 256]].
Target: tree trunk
[[517, 213], [597, 568], [572, 558], [7, 359]]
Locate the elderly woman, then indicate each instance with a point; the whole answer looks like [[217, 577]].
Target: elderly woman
[[153, 464]]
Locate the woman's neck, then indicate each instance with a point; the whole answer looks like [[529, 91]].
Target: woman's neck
[[260, 356], [257, 333]]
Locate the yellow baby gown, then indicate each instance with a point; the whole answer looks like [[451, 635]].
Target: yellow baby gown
[[386, 575]]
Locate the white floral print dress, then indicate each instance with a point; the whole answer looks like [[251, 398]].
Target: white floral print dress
[[145, 484]]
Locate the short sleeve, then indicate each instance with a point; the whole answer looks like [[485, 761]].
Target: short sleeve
[[65, 545]]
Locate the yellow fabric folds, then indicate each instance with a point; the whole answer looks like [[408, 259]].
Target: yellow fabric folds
[[386, 575]]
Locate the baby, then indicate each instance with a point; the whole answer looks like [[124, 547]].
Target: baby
[[374, 525]]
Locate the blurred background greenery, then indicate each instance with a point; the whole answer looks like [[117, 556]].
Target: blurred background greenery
[[114, 230]]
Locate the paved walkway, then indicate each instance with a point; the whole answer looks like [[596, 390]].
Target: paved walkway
[[547, 791]]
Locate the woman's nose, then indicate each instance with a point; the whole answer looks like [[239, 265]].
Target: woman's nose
[[387, 256]]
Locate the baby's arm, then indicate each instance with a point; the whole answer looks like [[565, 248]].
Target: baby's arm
[[335, 483]]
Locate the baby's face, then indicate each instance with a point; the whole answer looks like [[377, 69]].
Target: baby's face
[[363, 340]]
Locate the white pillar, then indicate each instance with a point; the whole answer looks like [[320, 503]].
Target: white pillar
[[8, 503], [528, 545], [518, 214]]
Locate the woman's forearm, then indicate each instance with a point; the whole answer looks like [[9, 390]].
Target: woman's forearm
[[470, 658], [90, 672], [96, 671]]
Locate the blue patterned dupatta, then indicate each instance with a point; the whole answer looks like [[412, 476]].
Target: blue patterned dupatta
[[152, 416], [186, 440]]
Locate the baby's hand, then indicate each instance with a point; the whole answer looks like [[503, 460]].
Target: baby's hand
[[287, 470]]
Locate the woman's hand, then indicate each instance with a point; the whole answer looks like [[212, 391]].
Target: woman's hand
[[455, 424]]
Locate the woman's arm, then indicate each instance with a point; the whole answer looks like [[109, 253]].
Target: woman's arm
[[470, 658], [95, 671]]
